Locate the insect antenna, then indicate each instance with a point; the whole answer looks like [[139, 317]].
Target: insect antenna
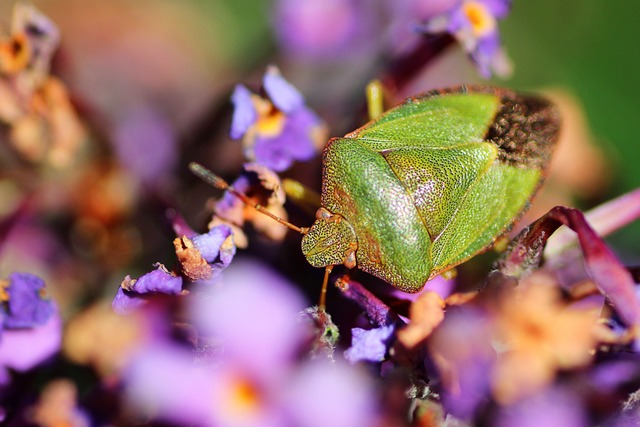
[[214, 180]]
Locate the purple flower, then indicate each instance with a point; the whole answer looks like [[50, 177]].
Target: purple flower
[[301, 27], [276, 130], [134, 293], [22, 349], [474, 24], [146, 144], [461, 347], [253, 311], [203, 256], [255, 376], [31, 327], [27, 305], [212, 248], [323, 394], [369, 345]]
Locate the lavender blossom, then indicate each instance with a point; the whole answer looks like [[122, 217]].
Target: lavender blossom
[[475, 24], [31, 325], [279, 129], [369, 345], [254, 378], [26, 304], [301, 27]]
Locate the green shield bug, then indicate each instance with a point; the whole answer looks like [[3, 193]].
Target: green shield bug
[[428, 184]]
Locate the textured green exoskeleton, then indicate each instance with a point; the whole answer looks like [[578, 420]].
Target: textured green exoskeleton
[[430, 183]]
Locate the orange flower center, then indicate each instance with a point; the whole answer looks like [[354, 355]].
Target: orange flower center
[[244, 397], [482, 21]]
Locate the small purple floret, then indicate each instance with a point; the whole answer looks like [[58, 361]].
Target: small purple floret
[[369, 345], [284, 132], [484, 49], [26, 307], [210, 245]]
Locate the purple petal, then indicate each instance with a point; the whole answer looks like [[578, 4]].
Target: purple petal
[[273, 153], [229, 207], [331, 394], [160, 281], [209, 244], [612, 375], [301, 27], [295, 142], [484, 53], [126, 302], [26, 305], [498, 8], [604, 219], [463, 340], [254, 315], [146, 144], [369, 345], [164, 380], [282, 93], [179, 224], [133, 294], [554, 408], [244, 113], [425, 10], [457, 21], [22, 349]]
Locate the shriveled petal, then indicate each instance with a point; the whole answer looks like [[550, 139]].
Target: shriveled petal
[[159, 280], [132, 293], [209, 244]]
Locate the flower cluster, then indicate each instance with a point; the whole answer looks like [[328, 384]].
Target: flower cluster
[[175, 309], [278, 129], [44, 125], [30, 326]]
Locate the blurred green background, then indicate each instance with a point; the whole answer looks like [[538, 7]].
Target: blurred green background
[[592, 49]]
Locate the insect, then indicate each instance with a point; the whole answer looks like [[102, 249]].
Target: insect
[[428, 184]]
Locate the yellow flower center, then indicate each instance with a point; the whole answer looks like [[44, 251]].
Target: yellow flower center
[[482, 21], [270, 120], [244, 397]]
